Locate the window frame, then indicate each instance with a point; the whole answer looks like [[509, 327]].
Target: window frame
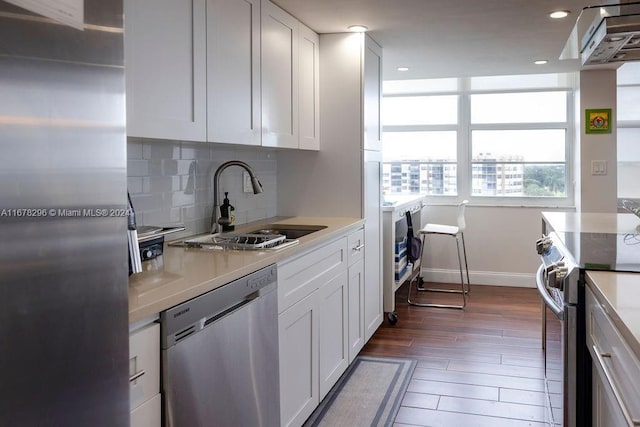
[[464, 129], [625, 124]]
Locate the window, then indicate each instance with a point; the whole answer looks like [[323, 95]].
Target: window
[[628, 120], [420, 149], [521, 149], [420, 162], [502, 138]]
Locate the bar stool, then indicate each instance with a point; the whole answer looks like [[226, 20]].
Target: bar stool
[[458, 233]]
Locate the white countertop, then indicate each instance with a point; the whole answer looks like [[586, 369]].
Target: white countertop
[[402, 202], [619, 293], [587, 222], [180, 274]]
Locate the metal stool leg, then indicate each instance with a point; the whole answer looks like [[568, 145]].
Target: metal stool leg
[[466, 266], [463, 291]]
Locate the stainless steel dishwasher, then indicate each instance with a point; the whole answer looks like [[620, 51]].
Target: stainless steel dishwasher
[[220, 356]]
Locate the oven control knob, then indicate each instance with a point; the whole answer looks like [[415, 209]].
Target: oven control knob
[[147, 254], [556, 276], [543, 244]]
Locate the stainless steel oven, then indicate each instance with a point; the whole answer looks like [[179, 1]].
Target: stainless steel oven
[[575, 244], [557, 281]]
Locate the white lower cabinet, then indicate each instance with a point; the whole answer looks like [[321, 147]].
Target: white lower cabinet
[[356, 309], [333, 321], [298, 335], [144, 376], [320, 322], [615, 368], [606, 410], [148, 414], [356, 322]]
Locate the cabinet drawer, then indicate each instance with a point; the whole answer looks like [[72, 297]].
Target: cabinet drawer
[[356, 246], [612, 355], [301, 276], [148, 414], [144, 364]]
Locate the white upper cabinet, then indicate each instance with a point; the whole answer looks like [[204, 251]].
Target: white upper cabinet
[[193, 70], [279, 77], [233, 71], [290, 81], [165, 69], [309, 86], [224, 71], [372, 95]]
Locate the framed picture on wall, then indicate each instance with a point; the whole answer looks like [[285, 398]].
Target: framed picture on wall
[[598, 120]]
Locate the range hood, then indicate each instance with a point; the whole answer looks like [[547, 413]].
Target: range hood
[[612, 34]]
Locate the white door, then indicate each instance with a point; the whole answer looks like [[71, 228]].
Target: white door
[[333, 324], [372, 239], [309, 86], [279, 77], [298, 336], [233, 71], [165, 62]]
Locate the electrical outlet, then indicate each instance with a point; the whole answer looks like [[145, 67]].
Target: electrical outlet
[[246, 183], [598, 167]]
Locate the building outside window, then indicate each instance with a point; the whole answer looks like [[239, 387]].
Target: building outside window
[[495, 139]]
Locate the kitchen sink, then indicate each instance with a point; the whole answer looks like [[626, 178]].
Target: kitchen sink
[[291, 231], [267, 237]]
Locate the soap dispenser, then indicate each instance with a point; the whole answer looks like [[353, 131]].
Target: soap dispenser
[[227, 213]]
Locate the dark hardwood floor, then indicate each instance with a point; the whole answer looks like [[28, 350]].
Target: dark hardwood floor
[[479, 367]]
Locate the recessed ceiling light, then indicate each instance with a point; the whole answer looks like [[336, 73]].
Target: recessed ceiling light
[[402, 68], [357, 28], [559, 14], [541, 62]]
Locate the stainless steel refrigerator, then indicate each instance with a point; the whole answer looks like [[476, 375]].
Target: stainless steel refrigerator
[[63, 229]]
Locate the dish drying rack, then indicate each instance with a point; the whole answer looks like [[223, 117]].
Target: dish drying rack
[[240, 241]]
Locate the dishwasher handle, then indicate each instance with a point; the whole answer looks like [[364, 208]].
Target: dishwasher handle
[[190, 317]]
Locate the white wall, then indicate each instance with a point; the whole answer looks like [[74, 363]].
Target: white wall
[[500, 245], [329, 182], [597, 193]]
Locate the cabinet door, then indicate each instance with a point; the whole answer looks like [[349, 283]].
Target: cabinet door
[[372, 239], [279, 77], [148, 414], [356, 309], [165, 69], [333, 323], [298, 338], [606, 410], [144, 364], [309, 54], [233, 71], [372, 94]]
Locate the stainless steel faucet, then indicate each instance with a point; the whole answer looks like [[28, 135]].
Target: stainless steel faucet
[[257, 188]]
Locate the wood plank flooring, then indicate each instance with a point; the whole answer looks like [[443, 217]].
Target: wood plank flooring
[[479, 367]]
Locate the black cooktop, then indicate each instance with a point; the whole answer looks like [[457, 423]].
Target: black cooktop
[[604, 251]]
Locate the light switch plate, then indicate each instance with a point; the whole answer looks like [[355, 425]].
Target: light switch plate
[[598, 167]]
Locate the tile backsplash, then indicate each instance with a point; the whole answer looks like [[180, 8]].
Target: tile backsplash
[[171, 182]]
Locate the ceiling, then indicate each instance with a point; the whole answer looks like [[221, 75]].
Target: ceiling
[[453, 38]]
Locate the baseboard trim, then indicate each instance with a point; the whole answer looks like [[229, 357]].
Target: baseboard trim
[[492, 278]]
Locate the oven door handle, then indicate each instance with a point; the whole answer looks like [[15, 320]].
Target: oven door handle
[[542, 290]]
